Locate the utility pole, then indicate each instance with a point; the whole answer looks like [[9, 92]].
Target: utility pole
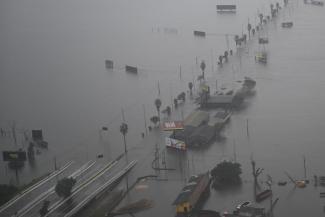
[[227, 41], [13, 129], [235, 155], [55, 166], [305, 172], [180, 72], [158, 89], [247, 132], [144, 118], [212, 67], [164, 160], [123, 117], [157, 163]]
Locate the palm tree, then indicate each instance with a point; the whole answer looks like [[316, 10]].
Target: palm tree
[[168, 110], [124, 131], [158, 104], [236, 39], [226, 56], [261, 18], [277, 5], [249, 27], [154, 120], [190, 86], [202, 66], [175, 103], [220, 60]]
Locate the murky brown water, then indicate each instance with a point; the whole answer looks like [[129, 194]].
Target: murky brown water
[[53, 76]]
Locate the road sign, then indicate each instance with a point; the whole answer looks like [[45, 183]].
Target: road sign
[[14, 155], [173, 125]]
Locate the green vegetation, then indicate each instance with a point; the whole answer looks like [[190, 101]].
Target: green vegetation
[[226, 174], [64, 187], [158, 105], [7, 192], [154, 120], [124, 130]]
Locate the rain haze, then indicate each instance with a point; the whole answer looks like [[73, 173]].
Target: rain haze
[[135, 99]]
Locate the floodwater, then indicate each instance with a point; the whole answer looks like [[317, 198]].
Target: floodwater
[[53, 77]]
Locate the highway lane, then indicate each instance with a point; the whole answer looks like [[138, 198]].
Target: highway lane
[[23, 197], [81, 188], [68, 205], [51, 190], [54, 198], [101, 189]]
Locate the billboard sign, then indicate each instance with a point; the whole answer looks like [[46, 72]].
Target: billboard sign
[[174, 143], [14, 155], [172, 125]]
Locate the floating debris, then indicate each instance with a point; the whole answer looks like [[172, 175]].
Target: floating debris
[[263, 40], [131, 69], [100, 156], [282, 183], [322, 194], [287, 24], [109, 64], [199, 33], [261, 57], [105, 128], [263, 195], [318, 3], [226, 8]]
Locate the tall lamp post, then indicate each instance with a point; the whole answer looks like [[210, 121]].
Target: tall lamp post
[[124, 131]]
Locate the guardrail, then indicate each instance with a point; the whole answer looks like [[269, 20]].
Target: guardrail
[[51, 190], [100, 189], [33, 187]]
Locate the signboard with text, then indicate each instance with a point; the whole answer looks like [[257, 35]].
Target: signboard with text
[[174, 143], [172, 125], [14, 156]]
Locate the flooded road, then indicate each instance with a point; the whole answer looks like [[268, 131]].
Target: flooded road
[[53, 76]]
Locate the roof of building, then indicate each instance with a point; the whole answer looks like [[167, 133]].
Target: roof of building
[[196, 118], [182, 197], [221, 114], [188, 189], [183, 134]]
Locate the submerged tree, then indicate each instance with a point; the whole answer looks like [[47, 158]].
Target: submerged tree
[[168, 110], [175, 103], [154, 120], [181, 96], [236, 39], [226, 173], [124, 131], [249, 27], [190, 86], [64, 187], [202, 66], [158, 105]]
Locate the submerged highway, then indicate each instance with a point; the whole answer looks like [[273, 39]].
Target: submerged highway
[[92, 178]]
